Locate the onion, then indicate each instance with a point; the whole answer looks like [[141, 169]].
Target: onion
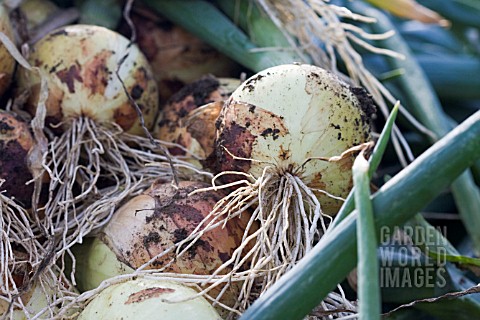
[[95, 159], [175, 123], [148, 299], [7, 63], [81, 62], [176, 56], [288, 117], [286, 140], [144, 231], [15, 143]]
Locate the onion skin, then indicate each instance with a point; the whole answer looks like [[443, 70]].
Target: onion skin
[[145, 299], [7, 63], [160, 218], [80, 62], [15, 143], [170, 125], [96, 262], [287, 114]]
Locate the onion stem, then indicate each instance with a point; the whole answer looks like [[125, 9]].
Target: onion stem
[[427, 108], [368, 267]]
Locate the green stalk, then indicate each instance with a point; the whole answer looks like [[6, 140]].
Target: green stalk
[[374, 161], [427, 108], [105, 13], [305, 285], [453, 76], [435, 237], [207, 22], [258, 26], [368, 269]]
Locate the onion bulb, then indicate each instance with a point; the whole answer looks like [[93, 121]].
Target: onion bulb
[[290, 116], [182, 123], [7, 63], [148, 299], [144, 232], [95, 80], [37, 12], [81, 62], [15, 143], [286, 140]]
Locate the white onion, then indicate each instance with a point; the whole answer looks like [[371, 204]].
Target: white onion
[[287, 114], [143, 231], [95, 78], [80, 62], [148, 299]]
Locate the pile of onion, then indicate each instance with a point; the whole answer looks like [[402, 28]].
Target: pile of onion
[[286, 141], [7, 63], [146, 233], [98, 82], [148, 299]]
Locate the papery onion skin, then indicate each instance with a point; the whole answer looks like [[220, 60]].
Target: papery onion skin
[[15, 143], [171, 123], [80, 62], [161, 217], [148, 299], [286, 114], [7, 63]]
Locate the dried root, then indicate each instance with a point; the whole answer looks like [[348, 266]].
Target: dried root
[[92, 170], [29, 284]]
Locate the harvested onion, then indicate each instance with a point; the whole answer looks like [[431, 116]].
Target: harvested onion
[[287, 118], [7, 63], [286, 140], [148, 299], [182, 123], [95, 80], [81, 63], [37, 12], [143, 232]]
